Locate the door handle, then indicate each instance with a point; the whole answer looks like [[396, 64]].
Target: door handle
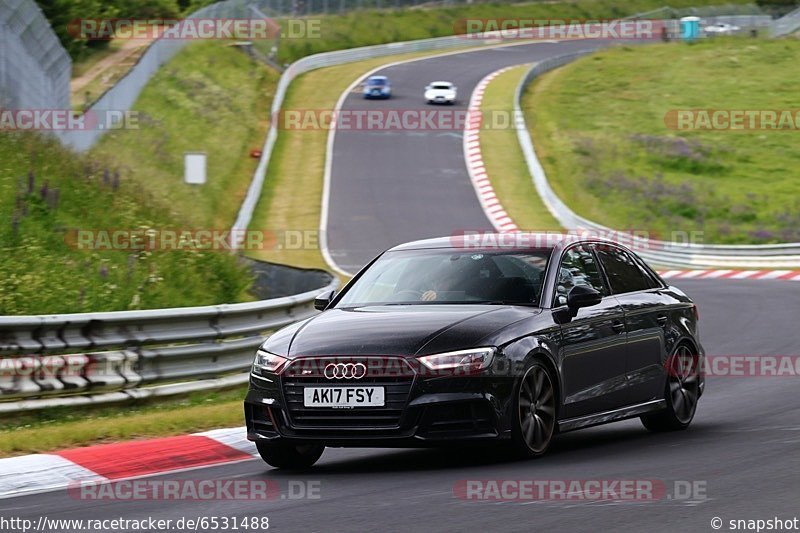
[[662, 320], [618, 326]]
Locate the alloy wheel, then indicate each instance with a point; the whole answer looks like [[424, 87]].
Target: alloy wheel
[[684, 384], [537, 408]]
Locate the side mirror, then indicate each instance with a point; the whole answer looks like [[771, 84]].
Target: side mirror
[[322, 301], [583, 296], [427, 87]]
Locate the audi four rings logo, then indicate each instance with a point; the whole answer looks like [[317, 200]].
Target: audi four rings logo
[[345, 371]]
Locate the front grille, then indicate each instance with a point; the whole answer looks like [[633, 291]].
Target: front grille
[[393, 375]]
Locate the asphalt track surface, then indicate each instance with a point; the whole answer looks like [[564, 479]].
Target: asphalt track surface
[[743, 446], [391, 187]]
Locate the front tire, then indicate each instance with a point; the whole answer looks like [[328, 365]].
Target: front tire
[[535, 411], [681, 392], [289, 455]]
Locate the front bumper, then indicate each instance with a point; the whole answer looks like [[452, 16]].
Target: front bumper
[[377, 94], [441, 100], [418, 412]]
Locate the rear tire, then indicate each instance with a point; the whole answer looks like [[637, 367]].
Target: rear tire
[[534, 411], [681, 392], [289, 455]]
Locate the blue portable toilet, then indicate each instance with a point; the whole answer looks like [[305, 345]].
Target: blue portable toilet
[[690, 28]]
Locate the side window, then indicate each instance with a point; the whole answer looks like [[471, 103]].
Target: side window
[[578, 267], [652, 279], [624, 273]]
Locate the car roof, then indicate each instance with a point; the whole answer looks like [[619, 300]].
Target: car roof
[[441, 83], [377, 78]]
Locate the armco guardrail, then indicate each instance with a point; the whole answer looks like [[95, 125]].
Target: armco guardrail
[[668, 254], [92, 358]]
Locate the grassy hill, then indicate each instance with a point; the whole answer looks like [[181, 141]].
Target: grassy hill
[[210, 98], [46, 191], [599, 128]]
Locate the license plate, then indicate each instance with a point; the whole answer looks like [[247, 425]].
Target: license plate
[[343, 397]]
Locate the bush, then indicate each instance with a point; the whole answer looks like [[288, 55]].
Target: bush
[[61, 12]]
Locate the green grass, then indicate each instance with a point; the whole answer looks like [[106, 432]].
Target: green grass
[[599, 130], [55, 429], [365, 28], [41, 273], [209, 97], [502, 156]]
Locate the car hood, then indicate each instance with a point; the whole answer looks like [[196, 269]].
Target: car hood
[[405, 330]]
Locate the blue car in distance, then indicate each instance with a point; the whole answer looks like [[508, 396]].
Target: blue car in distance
[[377, 87]]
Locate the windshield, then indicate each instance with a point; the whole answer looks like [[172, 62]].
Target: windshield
[[376, 81], [441, 86], [450, 277]]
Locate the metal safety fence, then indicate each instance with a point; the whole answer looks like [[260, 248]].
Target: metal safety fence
[[35, 70], [94, 358], [787, 24]]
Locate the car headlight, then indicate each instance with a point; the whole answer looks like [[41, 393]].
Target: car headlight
[[473, 360], [268, 361]]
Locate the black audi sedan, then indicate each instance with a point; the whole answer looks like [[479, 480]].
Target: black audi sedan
[[501, 337]]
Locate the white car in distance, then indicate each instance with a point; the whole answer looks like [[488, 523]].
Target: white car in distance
[[440, 92], [720, 28]]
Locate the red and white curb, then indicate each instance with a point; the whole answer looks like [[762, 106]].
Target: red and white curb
[[124, 460], [786, 275], [472, 154]]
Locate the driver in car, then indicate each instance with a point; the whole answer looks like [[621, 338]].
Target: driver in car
[[439, 286], [457, 279]]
